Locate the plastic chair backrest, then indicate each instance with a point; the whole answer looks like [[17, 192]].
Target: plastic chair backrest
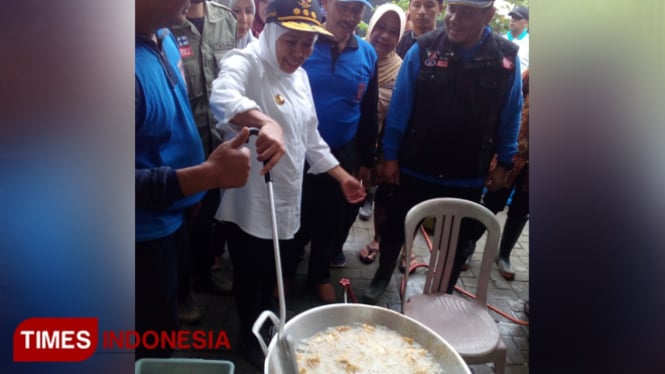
[[448, 214]]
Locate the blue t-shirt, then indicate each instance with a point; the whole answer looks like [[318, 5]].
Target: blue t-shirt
[[339, 81], [166, 134]]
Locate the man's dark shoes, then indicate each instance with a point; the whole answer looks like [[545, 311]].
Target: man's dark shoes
[[338, 260], [376, 288]]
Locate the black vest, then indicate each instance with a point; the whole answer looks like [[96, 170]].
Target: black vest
[[455, 116]]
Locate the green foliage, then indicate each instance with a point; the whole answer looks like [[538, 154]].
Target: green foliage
[[362, 29], [404, 4]]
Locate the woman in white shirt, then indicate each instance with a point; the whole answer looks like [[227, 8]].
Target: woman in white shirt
[[261, 85]]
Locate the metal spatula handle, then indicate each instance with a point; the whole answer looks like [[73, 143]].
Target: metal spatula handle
[[286, 348]]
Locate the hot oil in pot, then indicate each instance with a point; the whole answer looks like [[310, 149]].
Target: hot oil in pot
[[363, 349]]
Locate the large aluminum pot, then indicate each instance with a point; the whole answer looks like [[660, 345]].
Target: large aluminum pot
[[317, 319]]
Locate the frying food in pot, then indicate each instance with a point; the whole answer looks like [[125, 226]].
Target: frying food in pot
[[363, 349]]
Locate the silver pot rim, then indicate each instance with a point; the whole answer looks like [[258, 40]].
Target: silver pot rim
[[359, 310]]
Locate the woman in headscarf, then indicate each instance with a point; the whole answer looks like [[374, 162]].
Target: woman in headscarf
[[244, 11], [260, 16], [264, 85], [385, 30]]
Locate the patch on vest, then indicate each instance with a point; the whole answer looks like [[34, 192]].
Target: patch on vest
[[184, 47], [507, 63], [434, 58]]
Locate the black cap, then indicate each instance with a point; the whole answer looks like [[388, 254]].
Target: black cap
[[299, 15], [520, 12]]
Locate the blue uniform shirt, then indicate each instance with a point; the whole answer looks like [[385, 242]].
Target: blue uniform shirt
[[342, 83], [166, 134]]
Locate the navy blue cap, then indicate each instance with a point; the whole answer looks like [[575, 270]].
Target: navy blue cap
[[520, 12], [299, 15]]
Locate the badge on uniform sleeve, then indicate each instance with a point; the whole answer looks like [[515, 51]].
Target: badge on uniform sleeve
[[184, 47], [360, 91]]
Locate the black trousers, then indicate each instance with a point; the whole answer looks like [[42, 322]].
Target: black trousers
[[384, 192], [254, 276], [326, 217], [410, 192], [197, 259], [201, 239], [156, 286]]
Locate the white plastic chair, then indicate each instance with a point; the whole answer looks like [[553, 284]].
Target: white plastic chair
[[464, 323]]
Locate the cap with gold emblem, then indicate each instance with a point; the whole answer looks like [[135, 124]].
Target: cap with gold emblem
[[299, 15]]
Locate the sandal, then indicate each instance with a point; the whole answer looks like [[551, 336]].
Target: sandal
[[368, 254], [402, 263]]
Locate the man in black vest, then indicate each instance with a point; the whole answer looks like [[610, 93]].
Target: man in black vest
[[456, 104]]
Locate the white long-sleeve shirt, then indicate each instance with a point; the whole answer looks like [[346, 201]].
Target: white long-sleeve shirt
[[246, 81]]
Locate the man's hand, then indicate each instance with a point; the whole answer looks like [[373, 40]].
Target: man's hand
[[227, 167], [270, 145], [391, 172], [230, 162], [496, 178]]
